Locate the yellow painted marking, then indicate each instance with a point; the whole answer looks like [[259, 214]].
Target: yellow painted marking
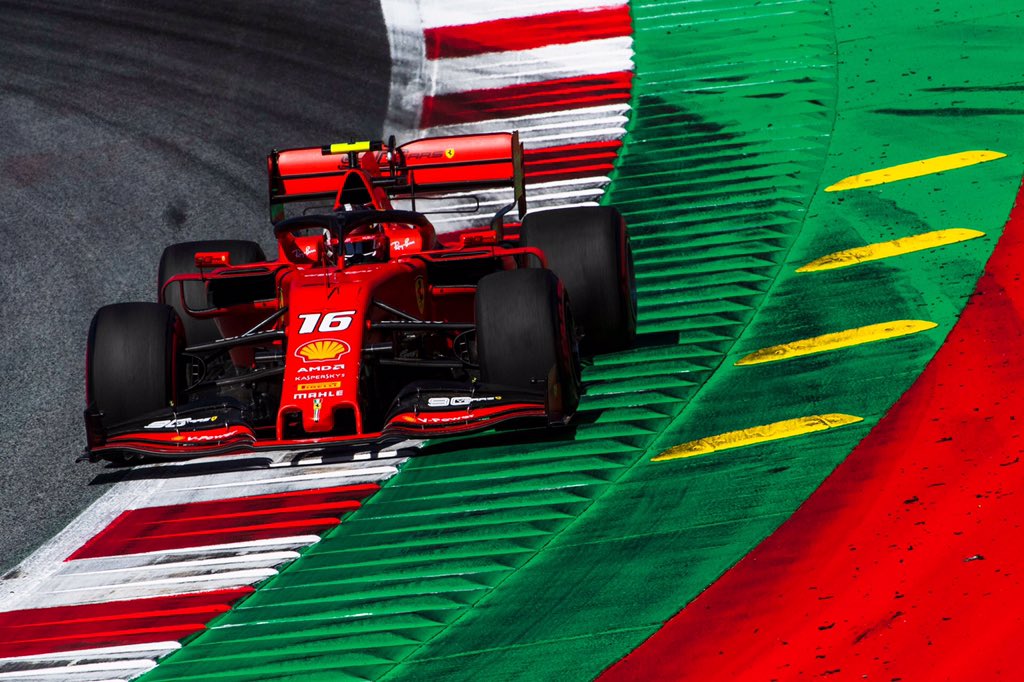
[[915, 169], [836, 340], [896, 247], [758, 434], [345, 147]]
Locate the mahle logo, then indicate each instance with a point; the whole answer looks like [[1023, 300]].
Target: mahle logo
[[322, 350]]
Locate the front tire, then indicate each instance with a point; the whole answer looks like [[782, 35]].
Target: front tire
[[132, 361], [525, 337], [588, 248]]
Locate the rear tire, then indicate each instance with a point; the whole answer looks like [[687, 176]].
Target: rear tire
[[588, 248], [179, 259], [132, 360], [525, 336]]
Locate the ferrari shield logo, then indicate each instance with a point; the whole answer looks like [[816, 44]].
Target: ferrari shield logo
[[421, 294], [449, 153]]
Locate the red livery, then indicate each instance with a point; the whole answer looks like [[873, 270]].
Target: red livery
[[364, 329]]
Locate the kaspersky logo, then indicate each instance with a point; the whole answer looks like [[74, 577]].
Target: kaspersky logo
[[322, 350]]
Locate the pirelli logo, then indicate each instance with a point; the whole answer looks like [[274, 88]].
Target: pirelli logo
[[321, 386]]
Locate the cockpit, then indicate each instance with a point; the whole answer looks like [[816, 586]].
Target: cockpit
[[353, 236]]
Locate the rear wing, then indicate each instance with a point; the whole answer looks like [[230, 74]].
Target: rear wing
[[422, 168]]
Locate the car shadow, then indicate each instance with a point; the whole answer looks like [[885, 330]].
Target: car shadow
[[117, 473]]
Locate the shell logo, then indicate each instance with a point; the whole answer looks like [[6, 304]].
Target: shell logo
[[321, 350]]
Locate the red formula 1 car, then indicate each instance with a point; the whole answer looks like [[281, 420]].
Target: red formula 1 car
[[364, 329]]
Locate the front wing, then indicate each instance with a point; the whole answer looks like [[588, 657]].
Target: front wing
[[422, 410]]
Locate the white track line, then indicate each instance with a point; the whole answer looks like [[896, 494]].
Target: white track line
[[349, 475], [504, 69], [158, 574], [148, 589], [127, 669], [134, 576], [294, 541], [130, 564], [198, 580], [575, 122]]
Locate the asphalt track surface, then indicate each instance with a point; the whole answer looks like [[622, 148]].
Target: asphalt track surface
[[125, 129]]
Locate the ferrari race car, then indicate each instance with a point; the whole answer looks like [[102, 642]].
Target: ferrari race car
[[364, 329]]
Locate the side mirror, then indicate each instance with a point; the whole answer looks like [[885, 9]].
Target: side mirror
[[213, 259]]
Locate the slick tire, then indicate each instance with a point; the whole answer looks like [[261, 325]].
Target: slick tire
[[179, 259], [525, 338], [132, 361], [588, 248]]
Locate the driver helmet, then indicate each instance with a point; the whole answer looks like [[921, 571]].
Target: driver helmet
[[371, 247]]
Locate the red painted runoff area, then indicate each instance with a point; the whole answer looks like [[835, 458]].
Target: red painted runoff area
[[906, 563], [525, 33], [561, 94], [239, 519], [32, 632]]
